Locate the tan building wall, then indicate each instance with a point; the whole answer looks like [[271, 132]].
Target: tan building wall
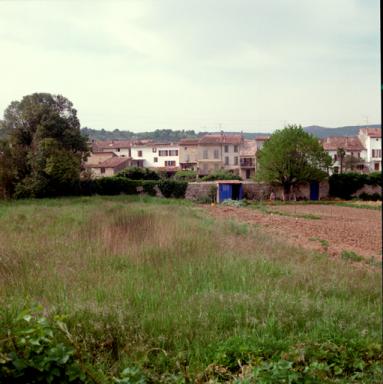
[[188, 154], [214, 157], [99, 157]]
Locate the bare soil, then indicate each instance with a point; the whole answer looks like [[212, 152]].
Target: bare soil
[[330, 229]]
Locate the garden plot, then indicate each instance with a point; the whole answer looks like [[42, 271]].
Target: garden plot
[[327, 228]]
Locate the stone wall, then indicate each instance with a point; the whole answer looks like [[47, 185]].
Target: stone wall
[[369, 189], [256, 191], [199, 190]]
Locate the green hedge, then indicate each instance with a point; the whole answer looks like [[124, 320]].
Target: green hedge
[[116, 185], [221, 175], [136, 173], [346, 184]]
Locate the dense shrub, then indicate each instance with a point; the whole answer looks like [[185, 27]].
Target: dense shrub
[[115, 186], [370, 197], [149, 187], [34, 350], [346, 184], [186, 175], [172, 188], [221, 175], [136, 173]]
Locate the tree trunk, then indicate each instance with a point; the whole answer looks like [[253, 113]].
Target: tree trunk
[[286, 192]]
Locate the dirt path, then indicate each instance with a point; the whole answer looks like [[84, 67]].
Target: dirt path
[[330, 228]]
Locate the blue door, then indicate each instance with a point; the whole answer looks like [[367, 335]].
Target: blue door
[[314, 190], [224, 192]]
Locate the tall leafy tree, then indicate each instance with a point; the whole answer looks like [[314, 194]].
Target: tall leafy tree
[[292, 156], [44, 145]]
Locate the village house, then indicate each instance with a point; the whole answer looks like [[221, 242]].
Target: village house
[[157, 156], [371, 139], [219, 151], [188, 154], [353, 149], [101, 164], [119, 147], [247, 156]]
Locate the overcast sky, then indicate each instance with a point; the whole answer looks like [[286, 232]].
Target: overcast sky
[[251, 65]]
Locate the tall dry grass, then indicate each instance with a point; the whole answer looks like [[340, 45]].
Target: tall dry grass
[[163, 287]]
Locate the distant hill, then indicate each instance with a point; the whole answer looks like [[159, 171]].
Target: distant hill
[[351, 130], [169, 135]]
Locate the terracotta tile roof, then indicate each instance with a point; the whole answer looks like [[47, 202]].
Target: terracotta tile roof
[[106, 144], [113, 162], [248, 148], [220, 139], [346, 142], [372, 132], [189, 142], [104, 153], [262, 138], [175, 168]]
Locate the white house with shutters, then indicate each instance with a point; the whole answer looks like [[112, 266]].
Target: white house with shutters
[[160, 156], [371, 138]]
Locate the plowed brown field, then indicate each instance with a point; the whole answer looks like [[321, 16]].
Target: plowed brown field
[[331, 228]]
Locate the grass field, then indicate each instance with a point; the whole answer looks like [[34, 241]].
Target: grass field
[[153, 290]]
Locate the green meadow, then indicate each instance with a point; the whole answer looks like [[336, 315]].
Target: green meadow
[[149, 290]]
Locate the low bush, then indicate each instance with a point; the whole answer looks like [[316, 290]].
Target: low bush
[[186, 175], [34, 350], [136, 173], [172, 188], [149, 187], [351, 255], [346, 184], [370, 197], [221, 175]]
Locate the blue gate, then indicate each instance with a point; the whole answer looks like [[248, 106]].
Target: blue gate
[[314, 190], [225, 192]]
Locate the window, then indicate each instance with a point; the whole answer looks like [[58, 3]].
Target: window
[[235, 148], [335, 157], [376, 153], [118, 149], [155, 159], [154, 150], [226, 148], [102, 170], [376, 166], [236, 160], [170, 163], [173, 152], [187, 158], [216, 154], [139, 153], [205, 154], [185, 148], [216, 166], [163, 153], [226, 160], [360, 167]]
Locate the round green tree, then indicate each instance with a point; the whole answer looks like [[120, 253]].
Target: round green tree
[[292, 156], [44, 146]]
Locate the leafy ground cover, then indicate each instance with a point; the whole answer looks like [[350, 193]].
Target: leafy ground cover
[[137, 289]]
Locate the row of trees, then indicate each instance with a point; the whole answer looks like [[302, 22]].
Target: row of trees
[[44, 149]]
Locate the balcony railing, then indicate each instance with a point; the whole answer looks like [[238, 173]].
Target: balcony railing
[[247, 163]]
